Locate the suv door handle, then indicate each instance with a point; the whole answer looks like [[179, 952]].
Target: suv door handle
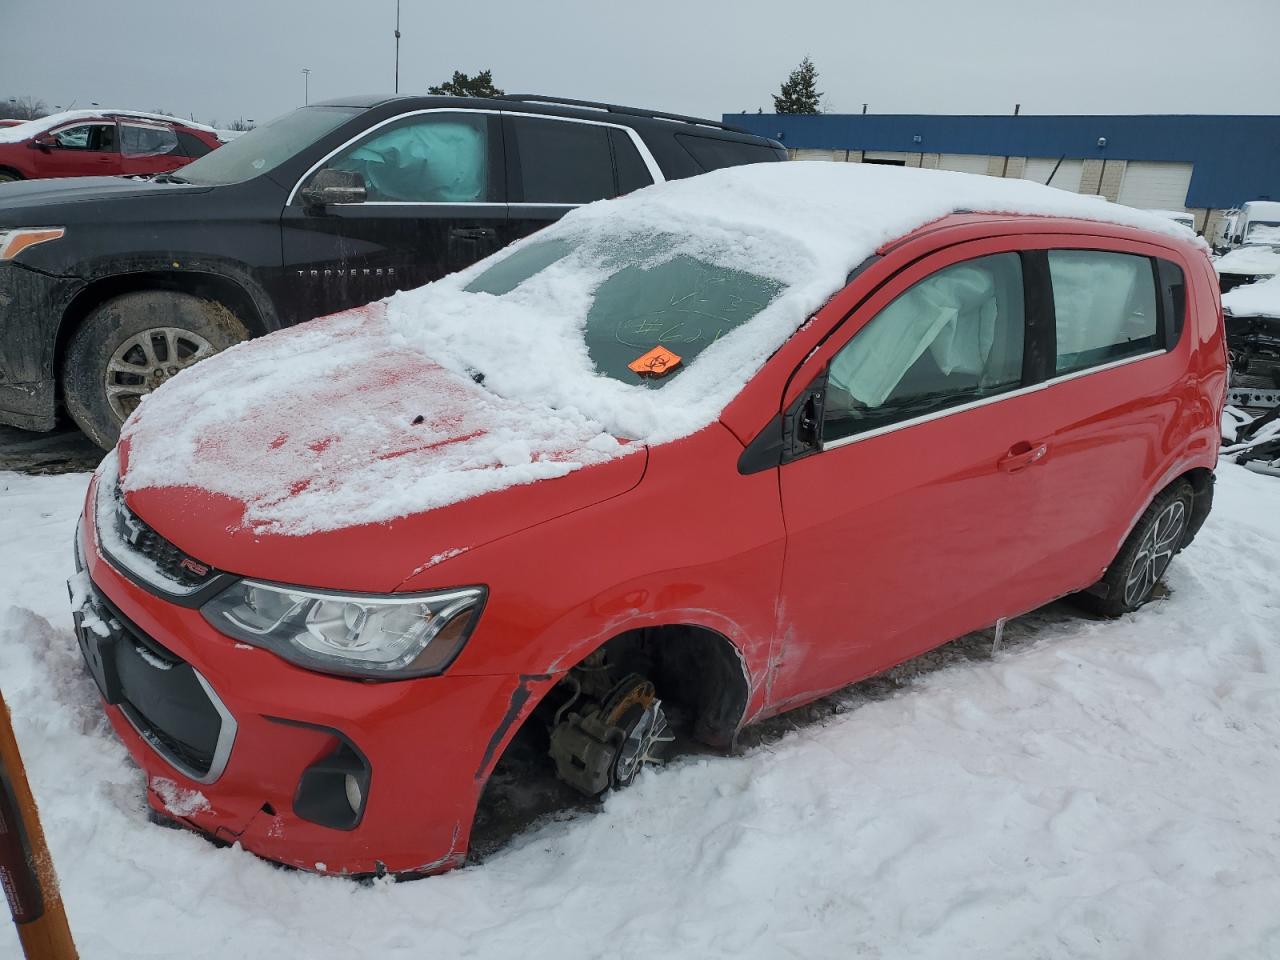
[[473, 233], [1022, 455]]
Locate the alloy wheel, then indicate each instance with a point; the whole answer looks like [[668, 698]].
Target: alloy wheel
[[146, 360], [1153, 556]]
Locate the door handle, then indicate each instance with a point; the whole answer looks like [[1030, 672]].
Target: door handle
[[1022, 455], [473, 233]]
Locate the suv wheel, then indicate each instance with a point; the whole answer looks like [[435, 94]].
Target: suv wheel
[[7, 175], [1158, 535], [129, 345]]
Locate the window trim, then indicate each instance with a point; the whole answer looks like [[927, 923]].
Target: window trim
[[654, 170], [986, 401]]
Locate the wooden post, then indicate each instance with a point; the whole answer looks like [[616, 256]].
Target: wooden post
[[26, 871]]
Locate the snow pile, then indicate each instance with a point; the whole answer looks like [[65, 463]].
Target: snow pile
[[32, 128], [1261, 299], [1249, 261], [1099, 790], [312, 426]]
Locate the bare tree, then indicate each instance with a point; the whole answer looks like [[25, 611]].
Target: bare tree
[[22, 108]]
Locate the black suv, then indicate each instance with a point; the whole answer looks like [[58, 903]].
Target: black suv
[[108, 286]]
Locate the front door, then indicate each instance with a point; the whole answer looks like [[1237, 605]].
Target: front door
[[910, 525], [435, 203], [81, 150]]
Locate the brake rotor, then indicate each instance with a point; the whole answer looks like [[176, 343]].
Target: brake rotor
[[633, 707]]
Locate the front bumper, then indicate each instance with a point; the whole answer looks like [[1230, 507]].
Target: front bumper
[[31, 305], [230, 765]]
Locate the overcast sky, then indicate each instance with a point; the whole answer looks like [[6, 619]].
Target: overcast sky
[[223, 59]]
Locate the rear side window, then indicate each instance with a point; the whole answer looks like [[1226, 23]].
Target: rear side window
[[1104, 307], [952, 338], [562, 162], [191, 145], [711, 153], [1173, 292], [145, 140], [632, 173]]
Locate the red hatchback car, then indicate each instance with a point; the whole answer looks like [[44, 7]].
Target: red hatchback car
[[682, 461], [83, 143]]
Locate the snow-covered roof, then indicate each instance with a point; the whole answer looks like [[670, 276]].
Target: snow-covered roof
[[31, 128], [1250, 261], [1261, 299], [271, 403]]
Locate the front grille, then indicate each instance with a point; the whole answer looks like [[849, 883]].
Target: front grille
[[144, 555]]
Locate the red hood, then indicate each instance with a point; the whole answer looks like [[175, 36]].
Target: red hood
[[333, 456]]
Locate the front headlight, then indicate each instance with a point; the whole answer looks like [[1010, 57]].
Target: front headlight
[[14, 241], [386, 636]]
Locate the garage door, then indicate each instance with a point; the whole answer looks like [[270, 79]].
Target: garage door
[[817, 155], [1067, 177], [964, 162], [1155, 186]]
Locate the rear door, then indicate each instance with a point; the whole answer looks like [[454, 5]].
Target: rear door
[[81, 150], [435, 202], [148, 148], [1118, 403], [555, 164], [913, 521]]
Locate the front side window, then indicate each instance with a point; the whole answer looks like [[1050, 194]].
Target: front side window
[[146, 140], [1105, 307], [563, 162], [432, 158], [952, 338], [100, 137], [1260, 231]]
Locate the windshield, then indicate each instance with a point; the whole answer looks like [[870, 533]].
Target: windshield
[[1261, 231], [265, 148], [649, 317]]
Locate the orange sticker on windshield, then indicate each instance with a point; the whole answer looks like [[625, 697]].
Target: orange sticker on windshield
[[655, 363]]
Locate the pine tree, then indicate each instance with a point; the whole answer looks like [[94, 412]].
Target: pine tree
[[800, 94], [481, 85]]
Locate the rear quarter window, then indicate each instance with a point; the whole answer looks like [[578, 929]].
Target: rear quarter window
[[711, 153], [191, 145]]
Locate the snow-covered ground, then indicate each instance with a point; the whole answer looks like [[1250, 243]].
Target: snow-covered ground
[[1099, 789]]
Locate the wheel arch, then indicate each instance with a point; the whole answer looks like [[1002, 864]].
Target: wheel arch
[[250, 307], [698, 667]]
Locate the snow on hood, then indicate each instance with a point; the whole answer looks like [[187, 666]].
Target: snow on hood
[[1261, 299], [1249, 261], [311, 427], [25, 131], [339, 423]]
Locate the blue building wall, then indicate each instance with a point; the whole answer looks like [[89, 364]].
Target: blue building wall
[[1237, 158]]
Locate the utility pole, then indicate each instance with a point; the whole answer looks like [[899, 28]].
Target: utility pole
[[397, 46], [306, 85]]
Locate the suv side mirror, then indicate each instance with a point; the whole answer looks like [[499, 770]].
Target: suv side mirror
[[334, 186], [45, 142]]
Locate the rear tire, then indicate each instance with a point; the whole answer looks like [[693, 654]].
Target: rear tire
[[129, 345], [1156, 538]]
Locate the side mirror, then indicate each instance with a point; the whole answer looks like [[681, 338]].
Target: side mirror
[[45, 142], [334, 186]]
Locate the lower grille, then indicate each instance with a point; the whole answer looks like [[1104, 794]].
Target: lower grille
[[164, 698]]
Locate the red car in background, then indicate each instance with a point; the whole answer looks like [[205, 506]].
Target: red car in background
[[91, 143]]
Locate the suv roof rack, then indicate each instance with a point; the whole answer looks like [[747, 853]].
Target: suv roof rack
[[626, 111]]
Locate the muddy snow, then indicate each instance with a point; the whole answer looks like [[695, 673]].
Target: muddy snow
[[1099, 789]]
